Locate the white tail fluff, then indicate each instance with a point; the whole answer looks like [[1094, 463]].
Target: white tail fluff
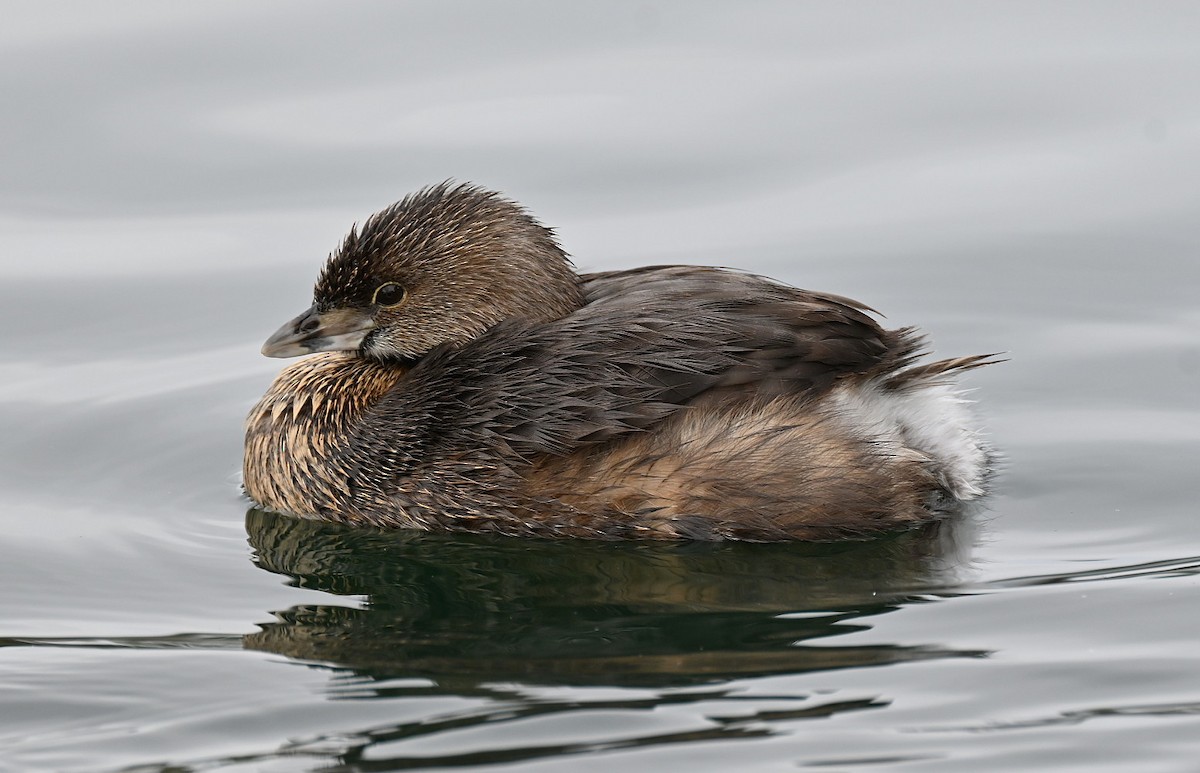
[[932, 420]]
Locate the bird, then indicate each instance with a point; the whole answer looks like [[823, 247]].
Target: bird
[[457, 374]]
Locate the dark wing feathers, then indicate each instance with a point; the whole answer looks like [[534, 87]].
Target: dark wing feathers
[[940, 372], [647, 342]]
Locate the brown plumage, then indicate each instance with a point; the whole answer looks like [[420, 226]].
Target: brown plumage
[[472, 381]]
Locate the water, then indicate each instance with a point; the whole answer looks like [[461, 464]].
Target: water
[[1017, 178]]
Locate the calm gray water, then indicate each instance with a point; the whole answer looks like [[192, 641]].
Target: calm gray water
[[1017, 177]]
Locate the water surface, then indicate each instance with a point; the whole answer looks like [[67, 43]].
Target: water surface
[[1019, 179]]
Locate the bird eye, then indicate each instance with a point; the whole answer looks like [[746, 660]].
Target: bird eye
[[389, 294]]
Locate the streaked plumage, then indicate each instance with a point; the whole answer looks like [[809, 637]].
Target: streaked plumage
[[505, 393]]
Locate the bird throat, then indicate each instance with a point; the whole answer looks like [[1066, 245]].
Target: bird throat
[[295, 433]]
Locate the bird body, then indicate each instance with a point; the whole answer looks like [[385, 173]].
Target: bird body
[[469, 380]]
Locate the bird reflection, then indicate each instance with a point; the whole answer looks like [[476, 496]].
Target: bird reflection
[[460, 613]]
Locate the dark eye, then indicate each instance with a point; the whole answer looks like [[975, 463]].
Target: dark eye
[[389, 294]]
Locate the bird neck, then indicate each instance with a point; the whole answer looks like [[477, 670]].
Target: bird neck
[[295, 432]]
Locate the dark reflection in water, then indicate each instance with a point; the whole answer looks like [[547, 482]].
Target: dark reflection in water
[[466, 610]]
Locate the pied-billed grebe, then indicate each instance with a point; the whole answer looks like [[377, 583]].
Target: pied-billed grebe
[[470, 380]]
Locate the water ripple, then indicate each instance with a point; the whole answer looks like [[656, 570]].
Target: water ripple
[[1175, 567]]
